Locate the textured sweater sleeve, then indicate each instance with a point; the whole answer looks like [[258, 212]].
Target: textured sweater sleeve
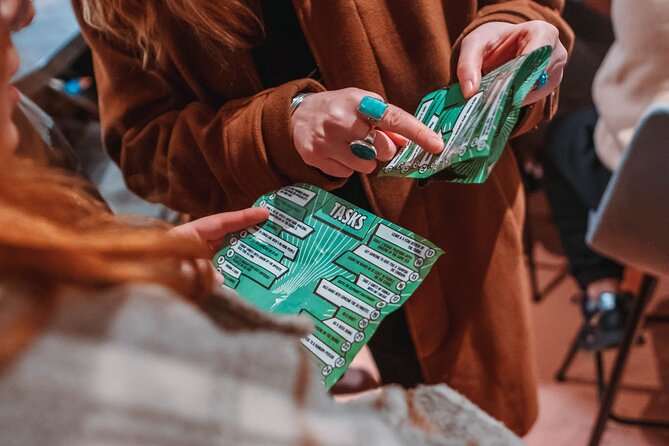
[[435, 415], [518, 11], [180, 150]]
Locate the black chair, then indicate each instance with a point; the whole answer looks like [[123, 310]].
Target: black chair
[[638, 319], [632, 226]]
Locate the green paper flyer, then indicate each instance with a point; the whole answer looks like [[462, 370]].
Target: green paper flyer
[[324, 258], [474, 131]]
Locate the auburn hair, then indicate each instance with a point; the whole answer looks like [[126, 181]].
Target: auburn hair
[[229, 24], [53, 233]]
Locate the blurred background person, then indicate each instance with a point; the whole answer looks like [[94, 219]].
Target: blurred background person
[[585, 146]]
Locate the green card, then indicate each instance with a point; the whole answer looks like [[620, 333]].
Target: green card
[[324, 258], [475, 131]]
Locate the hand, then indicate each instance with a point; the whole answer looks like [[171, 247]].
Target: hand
[[213, 229], [326, 123], [495, 43]]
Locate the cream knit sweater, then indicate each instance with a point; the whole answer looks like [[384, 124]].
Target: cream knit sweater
[[633, 76], [136, 365]]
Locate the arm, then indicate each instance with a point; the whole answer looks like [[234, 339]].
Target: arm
[[181, 151], [515, 12]]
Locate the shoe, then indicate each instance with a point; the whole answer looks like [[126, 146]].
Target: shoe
[[605, 320]]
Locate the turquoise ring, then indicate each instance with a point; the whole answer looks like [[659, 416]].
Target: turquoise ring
[[372, 108], [542, 81], [364, 148]]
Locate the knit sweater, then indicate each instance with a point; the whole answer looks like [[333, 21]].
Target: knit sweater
[[137, 365], [633, 75]]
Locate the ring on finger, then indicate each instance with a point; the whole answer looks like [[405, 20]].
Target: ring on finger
[[541, 82], [372, 108], [364, 148]]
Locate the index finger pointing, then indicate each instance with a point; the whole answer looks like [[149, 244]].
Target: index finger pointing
[[217, 226], [398, 121]]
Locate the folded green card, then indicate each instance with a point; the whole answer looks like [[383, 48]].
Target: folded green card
[[475, 131], [324, 258]]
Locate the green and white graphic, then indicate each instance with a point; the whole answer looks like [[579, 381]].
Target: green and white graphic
[[322, 257], [475, 131]]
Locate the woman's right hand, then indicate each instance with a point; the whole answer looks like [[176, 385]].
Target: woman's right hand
[[326, 123]]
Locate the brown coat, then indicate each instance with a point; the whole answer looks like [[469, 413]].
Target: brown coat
[[202, 139]]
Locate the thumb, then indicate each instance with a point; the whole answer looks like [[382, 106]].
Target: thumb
[[217, 226], [470, 64]]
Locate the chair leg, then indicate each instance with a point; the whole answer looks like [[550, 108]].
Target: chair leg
[[611, 389], [599, 365], [561, 373]]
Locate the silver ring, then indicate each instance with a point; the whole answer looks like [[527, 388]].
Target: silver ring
[[364, 148]]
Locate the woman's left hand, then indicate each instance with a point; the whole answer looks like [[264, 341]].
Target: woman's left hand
[[495, 43], [212, 230]]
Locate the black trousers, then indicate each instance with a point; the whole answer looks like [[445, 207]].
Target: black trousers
[[392, 347], [575, 181]]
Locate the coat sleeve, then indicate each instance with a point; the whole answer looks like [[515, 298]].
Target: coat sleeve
[[179, 150], [518, 11]]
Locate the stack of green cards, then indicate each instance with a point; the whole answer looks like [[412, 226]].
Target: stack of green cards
[[475, 131], [324, 258]]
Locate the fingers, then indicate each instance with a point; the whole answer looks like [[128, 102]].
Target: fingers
[[218, 277], [334, 168], [325, 125], [538, 34], [215, 227], [385, 151], [554, 79], [399, 140], [398, 121], [349, 160], [341, 152], [470, 64], [386, 147], [547, 35], [495, 43], [216, 245]]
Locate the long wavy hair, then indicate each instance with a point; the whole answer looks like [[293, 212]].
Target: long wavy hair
[[54, 233], [231, 24]]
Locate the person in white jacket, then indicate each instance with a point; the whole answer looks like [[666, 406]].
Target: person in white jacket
[[633, 76], [585, 147]]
